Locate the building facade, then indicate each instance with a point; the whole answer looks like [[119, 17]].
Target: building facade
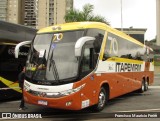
[[30, 13], [60, 8], [10, 11], [52, 12], [14, 11], [34, 13], [3, 10], [19, 12]]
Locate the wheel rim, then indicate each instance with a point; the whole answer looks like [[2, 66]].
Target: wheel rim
[[142, 86], [146, 84], [102, 99]]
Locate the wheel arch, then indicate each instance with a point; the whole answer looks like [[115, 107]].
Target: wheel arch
[[147, 79], [144, 78], [107, 88]]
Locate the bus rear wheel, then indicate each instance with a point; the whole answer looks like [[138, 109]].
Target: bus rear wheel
[[146, 85], [142, 89], [102, 99]]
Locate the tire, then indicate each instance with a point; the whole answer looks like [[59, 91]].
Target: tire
[[102, 100], [142, 89], [145, 85]]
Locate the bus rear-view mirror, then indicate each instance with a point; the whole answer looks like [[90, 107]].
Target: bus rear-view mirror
[[19, 45], [79, 44]]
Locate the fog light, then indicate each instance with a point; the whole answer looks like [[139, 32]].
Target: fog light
[[68, 103]]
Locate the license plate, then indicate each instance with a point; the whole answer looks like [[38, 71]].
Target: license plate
[[42, 102]]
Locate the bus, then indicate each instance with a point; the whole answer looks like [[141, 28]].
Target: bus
[[10, 67], [84, 64]]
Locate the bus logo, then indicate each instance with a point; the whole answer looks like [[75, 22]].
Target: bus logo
[[127, 67], [56, 28]]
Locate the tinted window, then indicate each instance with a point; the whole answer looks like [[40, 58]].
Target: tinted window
[[119, 47], [94, 32], [98, 34]]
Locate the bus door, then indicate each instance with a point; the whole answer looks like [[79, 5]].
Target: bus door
[[88, 61], [88, 64], [90, 54]]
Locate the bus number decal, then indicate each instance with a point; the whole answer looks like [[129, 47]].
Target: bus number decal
[[113, 45], [57, 37]]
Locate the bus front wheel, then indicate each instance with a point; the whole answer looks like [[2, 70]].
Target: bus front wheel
[[102, 99]]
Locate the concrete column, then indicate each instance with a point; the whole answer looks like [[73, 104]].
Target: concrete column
[[158, 21]]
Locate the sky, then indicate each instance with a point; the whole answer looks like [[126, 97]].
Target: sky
[[135, 13]]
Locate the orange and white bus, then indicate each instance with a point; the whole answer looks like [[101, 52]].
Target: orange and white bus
[[82, 64]]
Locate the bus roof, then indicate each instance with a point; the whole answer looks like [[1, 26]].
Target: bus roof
[[85, 25], [73, 26]]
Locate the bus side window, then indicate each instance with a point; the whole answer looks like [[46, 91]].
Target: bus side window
[[98, 34], [86, 60], [89, 61], [151, 56], [106, 55], [97, 43], [138, 56]]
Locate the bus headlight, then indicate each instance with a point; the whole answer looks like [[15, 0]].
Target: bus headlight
[[61, 94], [26, 86], [68, 92], [52, 94]]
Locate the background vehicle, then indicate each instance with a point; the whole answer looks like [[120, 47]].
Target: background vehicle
[[77, 65], [12, 34]]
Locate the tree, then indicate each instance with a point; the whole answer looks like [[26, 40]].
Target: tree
[[74, 15]]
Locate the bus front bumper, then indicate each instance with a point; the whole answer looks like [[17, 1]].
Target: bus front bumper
[[70, 102]]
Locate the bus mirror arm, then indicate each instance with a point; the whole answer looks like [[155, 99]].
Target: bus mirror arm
[[19, 45], [79, 44]]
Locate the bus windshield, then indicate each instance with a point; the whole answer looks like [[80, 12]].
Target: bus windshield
[[52, 56]]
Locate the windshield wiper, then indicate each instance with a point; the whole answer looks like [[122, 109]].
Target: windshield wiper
[[54, 68]]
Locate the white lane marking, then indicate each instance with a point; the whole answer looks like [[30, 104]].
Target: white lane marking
[[154, 87], [156, 77], [146, 110]]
